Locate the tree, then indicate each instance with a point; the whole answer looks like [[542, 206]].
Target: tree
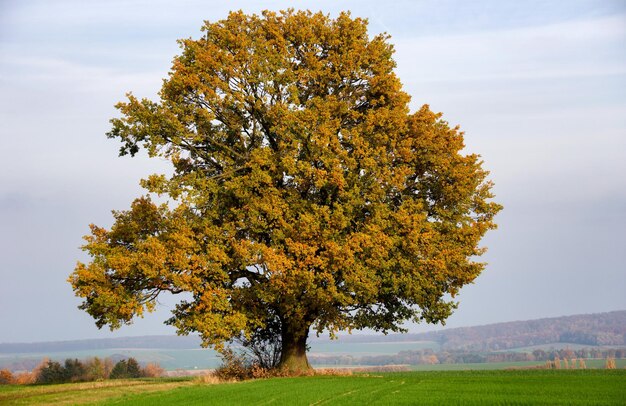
[[96, 369], [133, 368], [126, 369], [51, 372], [304, 194], [120, 370], [74, 370]]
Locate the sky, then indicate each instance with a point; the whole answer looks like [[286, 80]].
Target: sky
[[539, 87]]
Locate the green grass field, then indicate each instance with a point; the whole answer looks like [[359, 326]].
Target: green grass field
[[530, 387], [591, 363], [84, 393]]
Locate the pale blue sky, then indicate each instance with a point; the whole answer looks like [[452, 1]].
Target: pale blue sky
[[538, 86]]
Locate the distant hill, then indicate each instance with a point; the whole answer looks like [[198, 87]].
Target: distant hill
[[601, 329]]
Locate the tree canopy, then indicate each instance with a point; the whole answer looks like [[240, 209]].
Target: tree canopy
[[304, 193]]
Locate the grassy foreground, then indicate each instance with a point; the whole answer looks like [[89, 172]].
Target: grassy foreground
[[85, 392], [591, 364], [565, 387]]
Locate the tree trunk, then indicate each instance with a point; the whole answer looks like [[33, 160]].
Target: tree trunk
[[293, 358]]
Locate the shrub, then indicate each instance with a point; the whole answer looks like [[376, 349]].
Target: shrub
[[610, 363], [262, 348], [6, 377], [153, 370], [25, 378], [234, 366], [239, 366]]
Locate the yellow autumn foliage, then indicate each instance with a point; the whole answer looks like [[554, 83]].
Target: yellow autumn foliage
[[304, 194]]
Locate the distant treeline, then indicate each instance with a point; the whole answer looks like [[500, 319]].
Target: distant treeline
[[32, 363], [430, 357], [74, 370]]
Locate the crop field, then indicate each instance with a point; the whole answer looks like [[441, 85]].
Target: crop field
[[571, 387], [591, 364], [556, 346]]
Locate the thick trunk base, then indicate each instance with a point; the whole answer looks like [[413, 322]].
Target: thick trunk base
[[295, 365], [293, 360]]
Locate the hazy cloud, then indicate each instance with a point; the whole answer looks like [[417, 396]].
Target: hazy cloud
[[538, 87]]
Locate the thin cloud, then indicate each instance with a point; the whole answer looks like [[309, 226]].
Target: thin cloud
[[563, 50]]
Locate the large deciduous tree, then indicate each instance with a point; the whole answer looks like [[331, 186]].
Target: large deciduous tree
[[304, 194]]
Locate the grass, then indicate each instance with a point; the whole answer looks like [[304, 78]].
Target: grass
[[84, 392], [482, 366], [600, 363], [562, 387], [591, 363], [556, 346]]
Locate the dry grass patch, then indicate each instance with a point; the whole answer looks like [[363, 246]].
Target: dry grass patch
[[210, 379], [86, 392]]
